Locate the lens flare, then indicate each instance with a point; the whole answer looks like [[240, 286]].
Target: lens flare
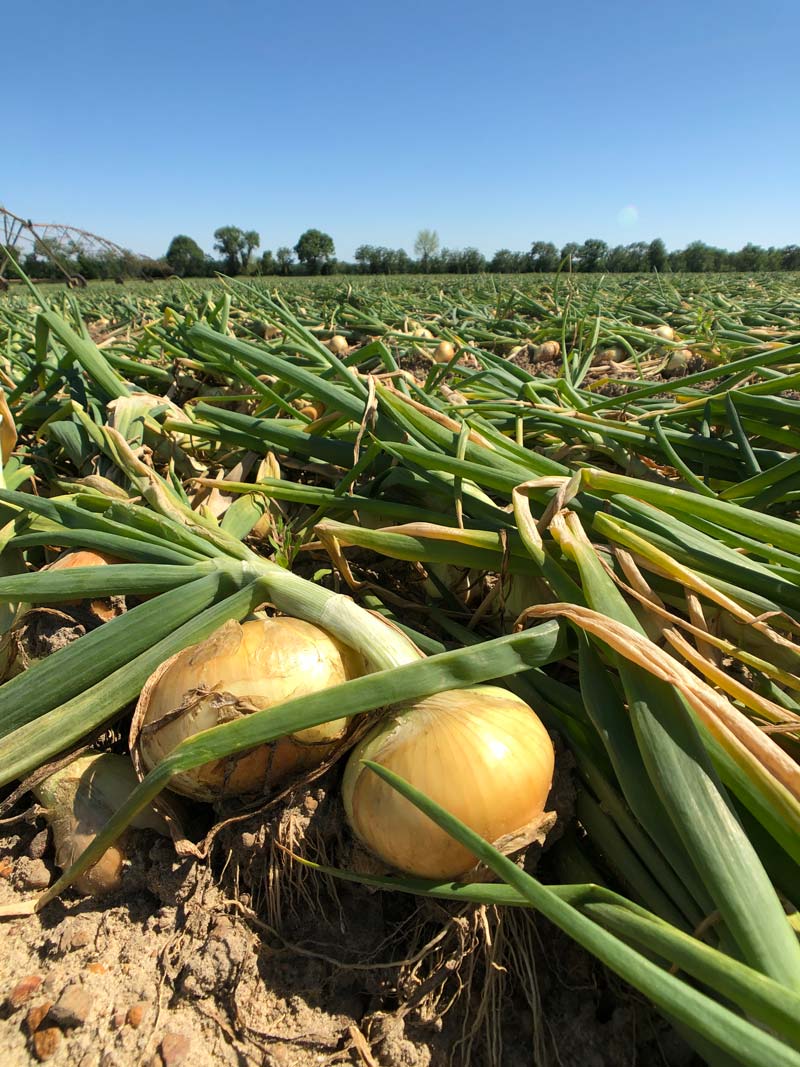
[[628, 216]]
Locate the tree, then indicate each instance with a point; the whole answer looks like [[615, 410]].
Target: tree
[[251, 241], [426, 246], [544, 257], [315, 250], [790, 257], [231, 242], [267, 264], [185, 256], [657, 255], [698, 257], [284, 257], [593, 254], [570, 253]]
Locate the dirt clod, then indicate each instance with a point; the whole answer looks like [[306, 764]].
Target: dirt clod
[[32, 874], [39, 844], [72, 1007]]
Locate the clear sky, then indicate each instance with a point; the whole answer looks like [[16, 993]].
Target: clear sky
[[494, 123]]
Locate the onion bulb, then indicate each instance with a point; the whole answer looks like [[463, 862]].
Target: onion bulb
[[337, 344], [239, 669], [80, 557], [482, 753], [547, 352], [444, 352], [79, 800], [666, 333]]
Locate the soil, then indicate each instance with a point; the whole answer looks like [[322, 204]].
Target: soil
[[249, 957]]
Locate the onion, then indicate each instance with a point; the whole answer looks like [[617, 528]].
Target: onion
[[665, 332], [83, 557], [678, 362], [482, 753], [548, 351], [337, 344], [79, 800], [444, 352], [242, 668]]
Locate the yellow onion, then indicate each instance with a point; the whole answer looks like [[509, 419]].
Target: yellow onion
[[678, 362], [337, 344], [482, 753], [79, 800], [548, 351], [80, 557], [665, 332], [444, 352], [241, 668]]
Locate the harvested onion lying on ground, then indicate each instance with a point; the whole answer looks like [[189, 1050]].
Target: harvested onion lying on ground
[[482, 753], [240, 669], [78, 801]]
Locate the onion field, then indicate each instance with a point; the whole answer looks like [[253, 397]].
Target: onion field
[[410, 666]]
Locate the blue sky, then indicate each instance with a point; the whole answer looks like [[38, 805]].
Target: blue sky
[[495, 124]]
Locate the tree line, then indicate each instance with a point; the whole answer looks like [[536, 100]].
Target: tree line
[[314, 253], [239, 252]]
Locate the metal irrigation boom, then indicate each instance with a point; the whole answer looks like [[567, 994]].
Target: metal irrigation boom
[[60, 244]]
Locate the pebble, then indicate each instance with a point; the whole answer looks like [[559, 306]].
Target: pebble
[[6, 867], [46, 1042], [33, 874], [96, 968], [33, 1020], [38, 845], [72, 1007], [136, 1013], [248, 840], [174, 1048], [24, 990]]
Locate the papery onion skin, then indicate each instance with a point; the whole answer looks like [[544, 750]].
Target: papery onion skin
[[79, 799], [240, 669], [481, 753]]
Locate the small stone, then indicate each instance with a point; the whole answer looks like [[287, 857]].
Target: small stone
[[46, 1042], [72, 1007], [38, 845], [117, 1020], [174, 1048], [33, 1020], [33, 874], [96, 968], [6, 867], [77, 934], [24, 990], [109, 1060], [136, 1013]]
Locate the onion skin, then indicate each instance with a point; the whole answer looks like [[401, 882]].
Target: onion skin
[[79, 800], [240, 669], [482, 753]]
